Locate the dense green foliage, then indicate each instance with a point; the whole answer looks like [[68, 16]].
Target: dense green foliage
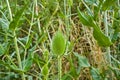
[[59, 39]]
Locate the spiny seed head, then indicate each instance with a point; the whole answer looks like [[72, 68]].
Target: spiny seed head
[[58, 43]]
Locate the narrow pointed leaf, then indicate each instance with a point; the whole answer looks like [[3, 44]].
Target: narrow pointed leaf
[[28, 64], [16, 19], [84, 19], [45, 70], [107, 4], [83, 61], [101, 38], [95, 74]]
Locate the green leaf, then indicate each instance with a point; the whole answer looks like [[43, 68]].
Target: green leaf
[[85, 19], [27, 64], [115, 71], [115, 36], [91, 1], [73, 69], [12, 67], [58, 43], [30, 77], [107, 4], [42, 38], [67, 76], [28, 43], [4, 64], [70, 2], [2, 50], [116, 25], [4, 23], [46, 55], [16, 19], [38, 60], [45, 70], [70, 46], [83, 61], [101, 38], [95, 74], [9, 76]]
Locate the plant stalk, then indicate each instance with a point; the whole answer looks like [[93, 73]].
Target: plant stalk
[[17, 50], [108, 57], [15, 41], [9, 9], [38, 21], [59, 68], [107, 34], [18, 54]]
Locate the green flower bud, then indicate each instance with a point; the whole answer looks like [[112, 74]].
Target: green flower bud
[[58, 43]]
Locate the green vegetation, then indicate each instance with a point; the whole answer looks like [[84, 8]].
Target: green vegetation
[[59, 39]]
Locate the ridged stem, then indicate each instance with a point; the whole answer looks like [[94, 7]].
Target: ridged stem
[[59, 68]]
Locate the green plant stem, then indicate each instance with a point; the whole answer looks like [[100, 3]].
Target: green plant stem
[[106, 32], [66, 13], [108, 56], [46, 77], [10, 13], [59, 68], [17, 50], [38, 21], [18, 54], [15, 41], [28, 37], [29, 32]]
